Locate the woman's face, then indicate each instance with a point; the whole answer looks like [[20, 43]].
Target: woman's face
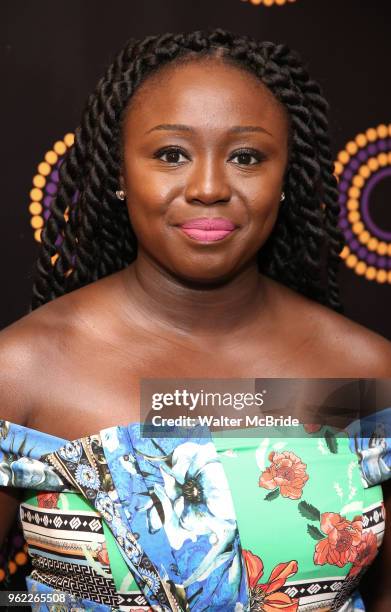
[[203, 139]]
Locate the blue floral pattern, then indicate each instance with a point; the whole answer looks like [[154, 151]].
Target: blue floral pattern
[[166, 501]]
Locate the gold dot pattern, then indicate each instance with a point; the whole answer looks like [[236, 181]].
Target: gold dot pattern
[[269, 2], [40, 182], [358, 181]]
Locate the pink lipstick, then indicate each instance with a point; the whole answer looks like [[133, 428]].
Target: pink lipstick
[[208, 229]]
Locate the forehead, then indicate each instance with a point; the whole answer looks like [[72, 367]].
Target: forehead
[[206, 92]]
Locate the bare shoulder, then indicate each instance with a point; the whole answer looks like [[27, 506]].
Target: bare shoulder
[[27, 346], [364, 351], [38, 349], [348, 349]]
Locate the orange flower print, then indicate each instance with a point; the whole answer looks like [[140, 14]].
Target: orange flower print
[[266, 597], [47, 500], [287, 471], [103, 555], [343, 538], [366, 552]]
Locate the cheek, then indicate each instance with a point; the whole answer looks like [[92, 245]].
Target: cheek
[[147, 191], [262, 196]]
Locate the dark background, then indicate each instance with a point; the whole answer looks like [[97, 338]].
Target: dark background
[[54, 52]]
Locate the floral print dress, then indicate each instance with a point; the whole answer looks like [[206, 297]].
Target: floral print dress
[[266, 521]]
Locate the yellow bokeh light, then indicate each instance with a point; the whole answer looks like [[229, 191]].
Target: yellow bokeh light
[[36, 221], [352, 147], [364, 237], [343, 157], [51, 157], [361, 140], [39, 181], [36, 195], [370, 273], [371, 134], [35, 208], [358, 181], [351, 260], [12, 567], [382, 159], [364, 171], [372, 244], [69, 139], [37, 235], [60, 147], [373, 164], [382, 131], [354, 192], [354, 216], [382, 248], [44, 168], [358, 227], [352, 204], [381, 276], [361, 267], [20, 558], [345, 252], [338, 167]]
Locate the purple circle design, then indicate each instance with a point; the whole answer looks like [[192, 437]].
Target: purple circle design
[[374, 180], [51, 188], [350, 169], [354, 164], [363, 155]]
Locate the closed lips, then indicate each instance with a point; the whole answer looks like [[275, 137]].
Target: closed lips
[[217, 223]]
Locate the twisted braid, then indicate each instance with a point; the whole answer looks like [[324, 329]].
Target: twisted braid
[[89, 234]]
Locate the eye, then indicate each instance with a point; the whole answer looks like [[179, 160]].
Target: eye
[[171, 155], [247, 157]]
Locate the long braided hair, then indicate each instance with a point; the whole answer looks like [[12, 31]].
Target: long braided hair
[[89, 234]]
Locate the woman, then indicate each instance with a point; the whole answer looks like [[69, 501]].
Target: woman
[[205, 127]]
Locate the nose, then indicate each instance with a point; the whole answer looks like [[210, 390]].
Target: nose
[[208, 183]]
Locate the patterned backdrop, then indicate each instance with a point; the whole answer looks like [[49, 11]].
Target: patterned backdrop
[[56, 51]]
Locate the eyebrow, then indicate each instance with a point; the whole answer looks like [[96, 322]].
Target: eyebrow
[[236, 129]]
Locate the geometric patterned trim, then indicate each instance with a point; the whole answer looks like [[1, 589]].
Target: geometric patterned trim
[[373, 516], [373, 519], [87, 585], [132, 599], [322, 591], [70, 521], [65, 567]]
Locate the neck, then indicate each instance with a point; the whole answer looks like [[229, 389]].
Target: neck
[[192, 310]]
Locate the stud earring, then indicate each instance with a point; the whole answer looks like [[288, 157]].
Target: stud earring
[[120, 194], [282, 198]]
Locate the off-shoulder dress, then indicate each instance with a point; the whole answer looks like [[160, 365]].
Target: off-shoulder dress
[[268, 522]]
